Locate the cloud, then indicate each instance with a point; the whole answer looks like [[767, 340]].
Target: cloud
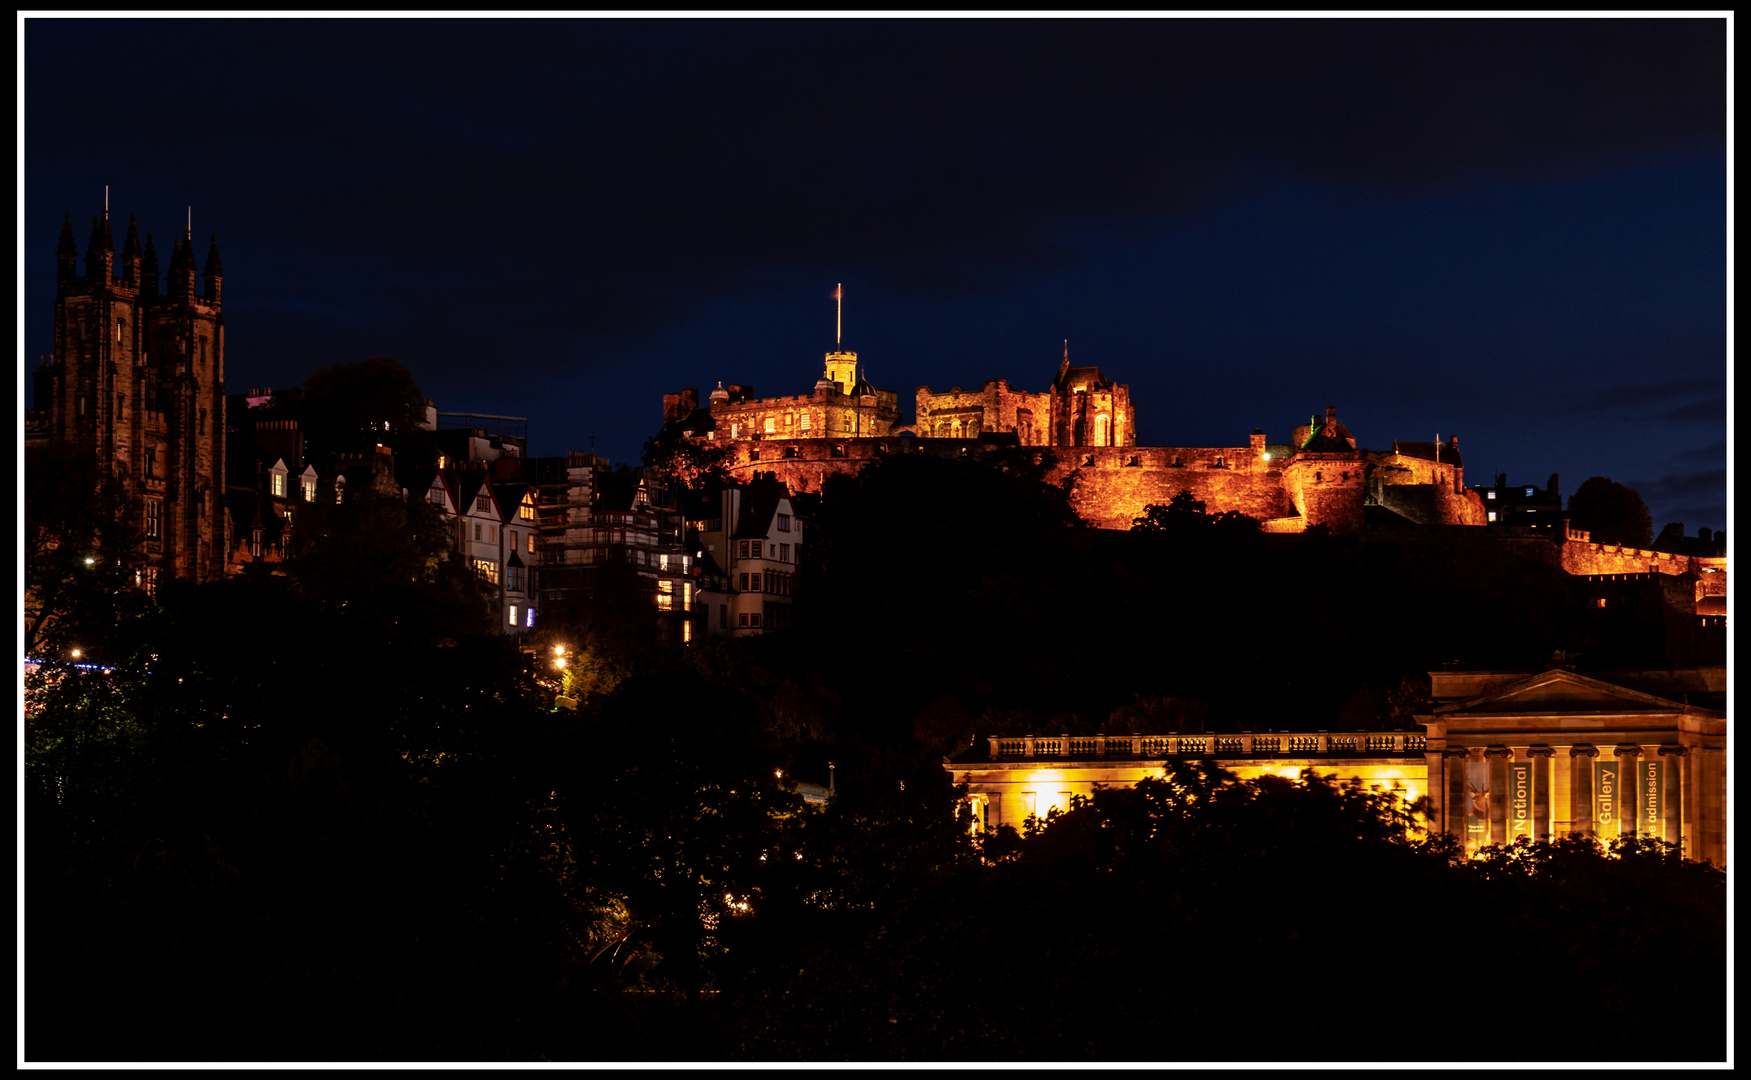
[[644, 168], [1714, 409], [1714, 452]]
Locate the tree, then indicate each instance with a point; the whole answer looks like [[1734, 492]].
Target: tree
[[1184, 514], [681, 461], [79, 552], [344, 405], [1613, 513], [388, 561]]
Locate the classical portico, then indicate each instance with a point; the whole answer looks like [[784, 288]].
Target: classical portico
[[1513, 754]]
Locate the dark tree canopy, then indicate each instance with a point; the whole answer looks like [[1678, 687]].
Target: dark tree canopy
[[1615, 514], [344, 405], [681, 461]]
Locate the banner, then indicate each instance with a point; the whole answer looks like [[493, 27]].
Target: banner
[[1477, 804], [1651, 797], [1519, 800], [1540, 798], [1605, 796]]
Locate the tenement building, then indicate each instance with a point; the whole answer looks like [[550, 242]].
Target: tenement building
[[137, 382]]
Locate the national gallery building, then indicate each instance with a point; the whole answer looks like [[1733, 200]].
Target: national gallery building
[[1502, 755]]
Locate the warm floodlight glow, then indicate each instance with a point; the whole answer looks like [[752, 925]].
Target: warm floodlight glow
[[76, 654], [89, 561], [559, 650], [560, 663]]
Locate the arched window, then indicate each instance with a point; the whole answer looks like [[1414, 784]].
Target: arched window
[[1102, 427]]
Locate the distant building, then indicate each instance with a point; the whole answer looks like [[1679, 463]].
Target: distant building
[[590, 518], [752, 535], [1524, 505], [1504, 755], [136, 381]]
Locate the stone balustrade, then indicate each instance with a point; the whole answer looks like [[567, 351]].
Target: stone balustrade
[[1246, 745]]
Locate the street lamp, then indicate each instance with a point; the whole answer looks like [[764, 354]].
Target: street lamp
[[76, 654]]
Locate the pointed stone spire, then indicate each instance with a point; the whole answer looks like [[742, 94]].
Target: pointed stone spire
[[149, 267], [67, 252], [100, 250], [213, 272], [131, 252]]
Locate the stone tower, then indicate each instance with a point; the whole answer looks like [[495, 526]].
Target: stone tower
[[137, 381]]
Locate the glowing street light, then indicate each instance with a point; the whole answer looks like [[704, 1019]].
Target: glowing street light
[[89, 561], [76, 654]]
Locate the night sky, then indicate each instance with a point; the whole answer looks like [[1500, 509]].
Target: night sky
[[1509, 230]]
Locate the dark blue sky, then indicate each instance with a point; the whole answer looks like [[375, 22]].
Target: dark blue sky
[[1513, 231]]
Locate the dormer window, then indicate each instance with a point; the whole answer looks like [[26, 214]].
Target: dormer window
[[526, 509], [277, 480], [436, 495], [483, 505]]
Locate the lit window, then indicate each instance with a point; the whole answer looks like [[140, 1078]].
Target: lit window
[[1528, 491], [527, 510], [771, 425], [154, 518], [529, 618], [1601, 601], [279, 485], [687, 595], [1492, 515], [512, 609], [492, 534], [665, 596], [513, 539], [531, 543], [442, 461], [151, 581], [805, 422], [309, 489], [487, 569], [686, 631], [340, 488], [119, 324], [1489, 494]]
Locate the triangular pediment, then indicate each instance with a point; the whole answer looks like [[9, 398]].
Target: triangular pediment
[[1558, 691]]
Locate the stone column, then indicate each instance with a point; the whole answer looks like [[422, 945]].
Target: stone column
[[1456, 758], [1581, 789], [1675, 789], [1627, 801], [1433, 760], [1540, 757], [1498, 757]]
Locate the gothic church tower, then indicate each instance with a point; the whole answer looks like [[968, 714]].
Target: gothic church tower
[[137, 381]]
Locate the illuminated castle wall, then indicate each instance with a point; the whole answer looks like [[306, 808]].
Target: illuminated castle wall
[[1088, 422]]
